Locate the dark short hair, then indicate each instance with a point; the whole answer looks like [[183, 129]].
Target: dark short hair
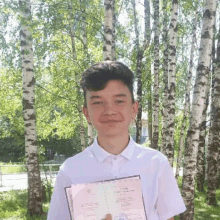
[[97, 76]]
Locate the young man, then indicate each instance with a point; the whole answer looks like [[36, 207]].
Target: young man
[[110, 107]]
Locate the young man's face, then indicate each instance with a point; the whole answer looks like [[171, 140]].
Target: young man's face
[[110, 110]]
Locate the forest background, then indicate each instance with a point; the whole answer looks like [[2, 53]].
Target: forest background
[[173, 48]]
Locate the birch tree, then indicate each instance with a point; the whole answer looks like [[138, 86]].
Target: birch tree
[[214, 133], [165, 74], [77, 81], [31, 150], [108, 30], [186, 107], [200, 175], [86, 57], [202, 72], [140, 54], [171, 84], [156, 77], [149, 80]]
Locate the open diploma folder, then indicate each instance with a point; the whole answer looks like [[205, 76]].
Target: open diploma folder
[[122, 198]]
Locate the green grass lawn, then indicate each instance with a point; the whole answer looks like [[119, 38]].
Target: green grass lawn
[[13, 206]]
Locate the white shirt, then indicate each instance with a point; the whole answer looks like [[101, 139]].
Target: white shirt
[[161, 195]]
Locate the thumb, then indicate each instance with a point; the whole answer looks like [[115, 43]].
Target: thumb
[[108, 217]]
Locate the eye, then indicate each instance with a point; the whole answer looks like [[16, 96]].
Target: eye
[[97, 103], [119, 101]]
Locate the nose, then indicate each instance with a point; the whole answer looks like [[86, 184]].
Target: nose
[[109, 109]]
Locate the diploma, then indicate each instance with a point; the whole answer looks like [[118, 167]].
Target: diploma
[[122, 198]]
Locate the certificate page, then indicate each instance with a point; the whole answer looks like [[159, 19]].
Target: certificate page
[[122, 198]]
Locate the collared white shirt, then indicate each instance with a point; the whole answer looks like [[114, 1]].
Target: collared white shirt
[[161, 195]]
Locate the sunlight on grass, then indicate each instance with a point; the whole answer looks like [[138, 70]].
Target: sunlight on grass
[[13, 205], [202, 210]]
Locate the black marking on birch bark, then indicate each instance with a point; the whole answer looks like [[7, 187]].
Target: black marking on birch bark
[[207, 14], [175, 2], [104, 48], [27, 104], [22, 33], [23, 43], [201, 67], [206, 35], [108, 30], [108, 42], [176, 28], [108, 7], [27, 124], [27, 61], [29, 70], [32, 82]]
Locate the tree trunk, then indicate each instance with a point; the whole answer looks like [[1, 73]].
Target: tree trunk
[[171, 85], [34, 179], [147, 36], [90, 134], [214, 132], [165, 74], [86, 57], [156, 77], [140, 52], [74, 57], [113, 31], [108, 30], [200, 175], [187, 100], [202, 73]]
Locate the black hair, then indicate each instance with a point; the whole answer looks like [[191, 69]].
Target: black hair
[[97, 76]]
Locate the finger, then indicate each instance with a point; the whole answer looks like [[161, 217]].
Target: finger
[[108, 217]]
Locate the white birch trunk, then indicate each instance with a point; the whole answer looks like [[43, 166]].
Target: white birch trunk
[[187, 100], [214, 133], [31, 150], [202, 73], [90, 134], [140, 52], [74, 57], [165, 74], [155, 136], [108, 30], [171, 84], [200, 175], [113, 31]]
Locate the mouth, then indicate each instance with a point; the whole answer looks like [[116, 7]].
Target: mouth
[[110, 121]]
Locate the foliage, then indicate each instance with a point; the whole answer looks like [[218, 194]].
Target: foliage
[[13, 204]]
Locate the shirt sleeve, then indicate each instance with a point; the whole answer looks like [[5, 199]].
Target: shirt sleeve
[[58, 205], [169, 202]]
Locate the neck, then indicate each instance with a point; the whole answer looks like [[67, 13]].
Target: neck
[[113, 145]]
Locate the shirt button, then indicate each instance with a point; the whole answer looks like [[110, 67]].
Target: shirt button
[[114, 158]]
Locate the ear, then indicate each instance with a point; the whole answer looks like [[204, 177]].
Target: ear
[[86, 113]]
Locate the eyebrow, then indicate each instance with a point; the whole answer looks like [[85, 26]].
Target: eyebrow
[[94, 97], [98, 97], [121, 95]]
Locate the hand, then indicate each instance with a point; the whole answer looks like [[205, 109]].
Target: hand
[[108, 217]]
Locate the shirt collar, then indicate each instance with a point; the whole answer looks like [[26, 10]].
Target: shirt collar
[[101, 154]]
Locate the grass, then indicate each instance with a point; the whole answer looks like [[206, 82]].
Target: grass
[[13, 205], [202, 210], [12, 168]]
